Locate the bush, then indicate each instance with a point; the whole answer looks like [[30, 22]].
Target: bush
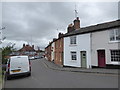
[[4, 67]]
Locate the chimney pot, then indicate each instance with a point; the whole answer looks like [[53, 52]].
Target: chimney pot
[[60, 35], [77, 18], [70, 28], [77, 23], [23, 45], [33, 46]]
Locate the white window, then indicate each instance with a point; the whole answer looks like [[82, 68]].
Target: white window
[[73, 56], [115, 55], [73, 40], [115, 35]]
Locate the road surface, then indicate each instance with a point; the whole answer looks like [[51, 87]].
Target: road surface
[[43, 77]]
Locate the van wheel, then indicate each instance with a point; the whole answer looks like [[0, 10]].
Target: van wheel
[[29, 74], [8, 77]]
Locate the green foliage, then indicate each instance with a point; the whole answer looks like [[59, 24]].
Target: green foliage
[[6, 51]]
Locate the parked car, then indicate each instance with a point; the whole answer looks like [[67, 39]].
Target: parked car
[[18, 65], [31, 57], [37, 57]]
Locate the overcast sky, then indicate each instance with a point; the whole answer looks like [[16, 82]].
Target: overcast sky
[[37, 22]]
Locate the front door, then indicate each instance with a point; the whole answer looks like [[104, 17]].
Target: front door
[[83, 59], [101, 58]]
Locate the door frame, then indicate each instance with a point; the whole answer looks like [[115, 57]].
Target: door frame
[[85, 57]]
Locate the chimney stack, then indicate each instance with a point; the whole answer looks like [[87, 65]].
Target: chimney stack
[[76, 23], [23, 45], [33, 46], [70, 28], [60, 35], [54, 39]]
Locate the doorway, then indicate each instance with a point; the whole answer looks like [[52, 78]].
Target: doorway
[[101, 58], [83, 59]]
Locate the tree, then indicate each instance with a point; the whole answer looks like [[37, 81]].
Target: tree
[[6, 51]]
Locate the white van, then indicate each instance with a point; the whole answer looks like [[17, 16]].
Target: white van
[[18, 65]]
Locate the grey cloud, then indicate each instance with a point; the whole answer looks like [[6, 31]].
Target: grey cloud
[[41, 20]]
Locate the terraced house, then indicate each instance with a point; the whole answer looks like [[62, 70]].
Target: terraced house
[[54, 51], [92, 46]]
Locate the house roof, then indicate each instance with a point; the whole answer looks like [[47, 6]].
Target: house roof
[[95, 28], [27, 48]]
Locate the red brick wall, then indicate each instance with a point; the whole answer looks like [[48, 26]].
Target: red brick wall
[[59, 51], [48, 52]]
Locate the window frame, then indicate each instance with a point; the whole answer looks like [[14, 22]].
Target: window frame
[[73, 40], [114, 34], [73, 55], [115, 56]]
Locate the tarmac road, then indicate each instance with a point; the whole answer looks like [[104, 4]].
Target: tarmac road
[[43, 77]]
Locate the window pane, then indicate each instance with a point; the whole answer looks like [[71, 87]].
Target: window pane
[[73, 40], [115, 55], [117, 34], [73, 56], [112, 38]]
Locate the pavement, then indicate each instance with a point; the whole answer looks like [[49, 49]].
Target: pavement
[[53, 66]]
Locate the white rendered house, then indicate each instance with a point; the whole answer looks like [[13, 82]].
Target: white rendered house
[[93, 46], [77, 51]]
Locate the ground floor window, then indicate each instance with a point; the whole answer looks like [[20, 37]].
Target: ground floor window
[[115, 55], [73, 56]]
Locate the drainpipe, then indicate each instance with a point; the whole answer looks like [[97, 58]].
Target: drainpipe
[[90, 66]]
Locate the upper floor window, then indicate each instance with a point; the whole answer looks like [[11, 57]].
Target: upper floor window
[[115, 35], [73, 40]]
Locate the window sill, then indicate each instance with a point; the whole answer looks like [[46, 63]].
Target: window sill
[[75, 61], [114, 41], [115, 63], [72, 45]]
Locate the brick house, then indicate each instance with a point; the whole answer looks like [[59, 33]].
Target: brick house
[[27, 50], [48, 52], [54, 51], [58, 58]]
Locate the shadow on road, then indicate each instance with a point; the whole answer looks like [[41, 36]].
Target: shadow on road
[[18, 77]]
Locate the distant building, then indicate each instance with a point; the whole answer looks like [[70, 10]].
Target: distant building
[[54, 51], [48, 52], [27, 50]]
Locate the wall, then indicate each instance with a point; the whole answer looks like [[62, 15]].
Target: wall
[[83, 44], [0, 38], [48, 53], [100, 40], [52, 51], [59, 51]]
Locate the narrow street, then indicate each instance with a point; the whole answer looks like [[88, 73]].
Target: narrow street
[[43, 77]]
